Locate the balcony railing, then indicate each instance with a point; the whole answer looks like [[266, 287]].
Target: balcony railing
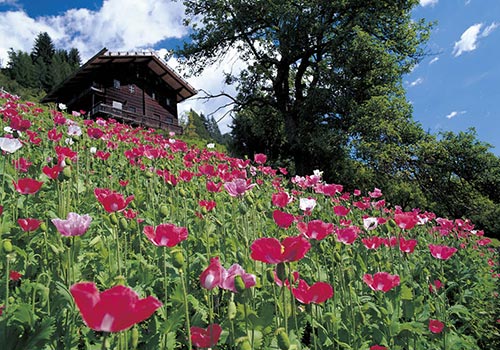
[[133, 118]]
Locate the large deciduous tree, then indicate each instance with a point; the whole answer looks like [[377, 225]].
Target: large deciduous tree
[[315, 70]]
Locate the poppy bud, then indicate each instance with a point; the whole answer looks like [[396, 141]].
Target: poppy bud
[[67, 172], [244, 345], [135, 337], [182, 192], [231, 310], [7, 245], [283, 341], [43, 226], [239, 284], [113, 219], [149, 174], [164, 210], [242, 208], [119, 280], [178, 259], [270, 276], [280, 271], [123, 223]]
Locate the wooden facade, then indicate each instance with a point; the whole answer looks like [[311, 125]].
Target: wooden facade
[[137, 88]]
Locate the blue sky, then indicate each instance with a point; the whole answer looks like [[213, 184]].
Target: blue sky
[[455, 87]]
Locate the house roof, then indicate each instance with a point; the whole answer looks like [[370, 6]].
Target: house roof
[[104, 57]]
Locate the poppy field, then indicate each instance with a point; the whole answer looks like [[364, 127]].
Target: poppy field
[[119, 237]]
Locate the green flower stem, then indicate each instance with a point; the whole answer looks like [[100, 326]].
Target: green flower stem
[[313, 317], [186, 308], [7, 266], [103, 345]]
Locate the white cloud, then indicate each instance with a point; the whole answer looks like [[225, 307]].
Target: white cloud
[[489, 29], [428, 2], [416, 82], [468, 40], [434, 60], [118, 25], [455, 113]]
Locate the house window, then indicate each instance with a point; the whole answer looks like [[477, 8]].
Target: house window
[[117, 105], [132, 109], [131, 89], [170, 120], [168, 101], [116, 84], [153, 95]]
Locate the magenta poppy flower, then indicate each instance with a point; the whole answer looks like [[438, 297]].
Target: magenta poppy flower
[[442, 252], [22, 164], [378, 347], [166, 235], [406, 221], [112, 201], [372, 242], [407, 245], [340, 210], [315, 229], [238, 187], [435, 286], [213, 187], [347, 235], [230, 274], [282, 219], [27, 186], [436, 326], [211, 277], [74, 225], [260, 158], [381, 281], [206, 337], [272, 251], [113, 310], [29, 224], [281, 199], [318, 293]]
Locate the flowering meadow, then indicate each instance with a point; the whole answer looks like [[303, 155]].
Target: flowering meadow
[[115, 237]]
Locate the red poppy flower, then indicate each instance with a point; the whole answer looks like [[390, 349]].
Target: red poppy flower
[[52, 172], [378, 347], [406, 221], [282, 219], [260, 158], [315, 229], [112, 201], [27, 186], [381, 281], [272, 251], [14, 275], [372, 242], [208, 205], [22, 165], [211, 277], [166, 235], [435, 286], [206, 337], [29, 224], [442, 252], [436, 326], [95, 133], [113, 310], [318, 293], [213, 187], [53, 135], [407, 246]]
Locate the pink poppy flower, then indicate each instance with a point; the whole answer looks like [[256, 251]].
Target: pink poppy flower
[[318, 293], [213, 187], [347, 235], [112, 201], [435, 286], [27, 186], [230, 274], [381, 281], [166, 235], [29, 224], [22, 164], [442, 252], [238, 187], [74, 225], [376, 193], [315, 229], [206, 337], [436, 326], [281, 199], [406, 221], [113, 310], [378, 347], [282, 219], [52, 172], [272, 251], [211, 277], [372, 242], [407, 246]]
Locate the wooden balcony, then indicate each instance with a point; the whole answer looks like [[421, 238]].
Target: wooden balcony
[[132, 118]]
